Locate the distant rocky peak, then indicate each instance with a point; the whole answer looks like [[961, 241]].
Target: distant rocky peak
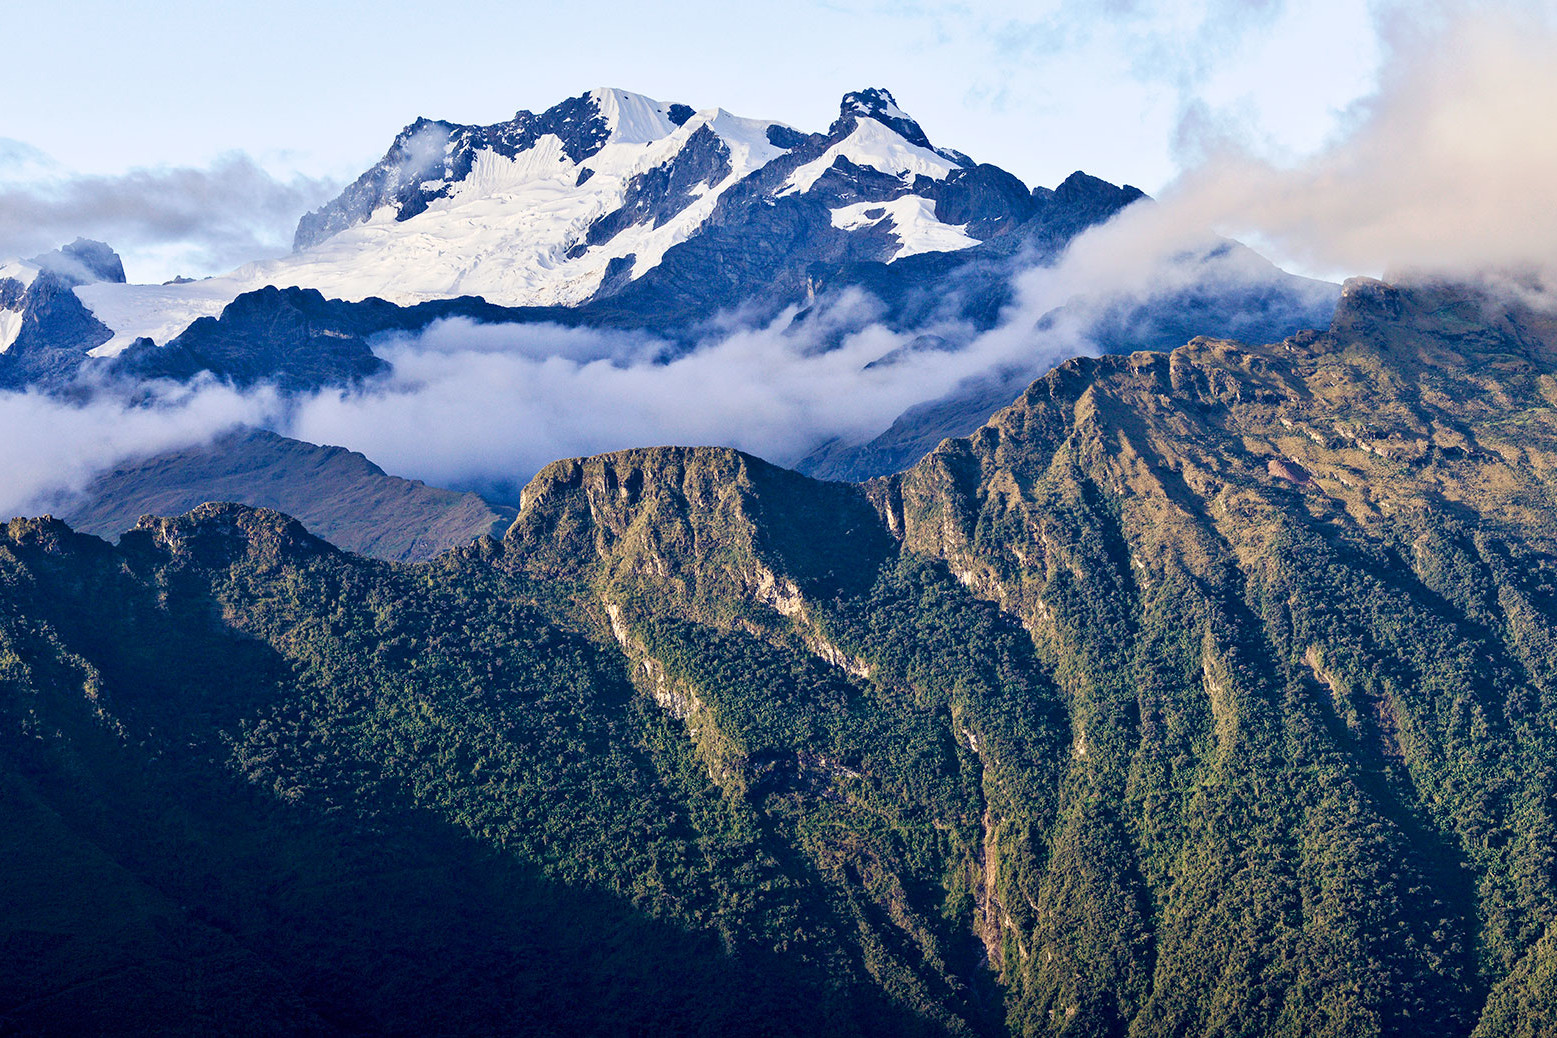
[[877, 103], [1368, 305], [1083, 188], [83, 262]]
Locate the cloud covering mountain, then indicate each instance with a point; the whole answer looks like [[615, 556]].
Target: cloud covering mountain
[[485, 406], [1445, 170]]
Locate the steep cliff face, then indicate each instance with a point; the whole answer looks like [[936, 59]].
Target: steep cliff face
[[1202, 692], [1298, 600]]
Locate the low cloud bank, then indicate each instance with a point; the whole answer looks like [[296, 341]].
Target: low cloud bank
[[486, 406], [54, 446]]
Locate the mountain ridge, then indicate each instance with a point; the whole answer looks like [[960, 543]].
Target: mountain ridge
[[572, 204], [1208, 691], [338, 494]]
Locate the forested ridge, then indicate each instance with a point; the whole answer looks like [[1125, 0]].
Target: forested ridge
[[1205, 692]]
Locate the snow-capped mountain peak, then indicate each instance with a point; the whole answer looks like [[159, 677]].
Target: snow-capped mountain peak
[[877, 103], [542, 209], [580, 201], [633, 118]]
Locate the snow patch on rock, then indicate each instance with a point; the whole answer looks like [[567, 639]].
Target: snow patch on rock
[[10, 328], [913, 221]]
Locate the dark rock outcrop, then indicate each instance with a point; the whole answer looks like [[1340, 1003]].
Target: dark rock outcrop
[[83, 261]]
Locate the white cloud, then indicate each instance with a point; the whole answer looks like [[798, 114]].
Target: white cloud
[[473, 405], [164, 221], [53, 445], [1450, 166]]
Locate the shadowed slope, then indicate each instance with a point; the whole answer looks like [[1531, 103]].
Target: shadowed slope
[[339, 494]]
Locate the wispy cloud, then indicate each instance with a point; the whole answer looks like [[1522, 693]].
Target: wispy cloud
[[182, 219], [1177, 43], [1104, 82], [54, 446], [1449, 166], [21, 161]]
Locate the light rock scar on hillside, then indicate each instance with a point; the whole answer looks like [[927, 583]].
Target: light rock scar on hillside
[[782, 595]]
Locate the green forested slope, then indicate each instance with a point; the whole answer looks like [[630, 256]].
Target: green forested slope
[[1209, 692]]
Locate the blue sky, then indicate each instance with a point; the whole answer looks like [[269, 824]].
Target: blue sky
[[320, 87], [281, 102]]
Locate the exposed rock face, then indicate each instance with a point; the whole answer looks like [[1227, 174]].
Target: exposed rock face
[[1085, 199], [52, 332], [878, 104], [1288, 470], [986, 200], [657, 195]]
